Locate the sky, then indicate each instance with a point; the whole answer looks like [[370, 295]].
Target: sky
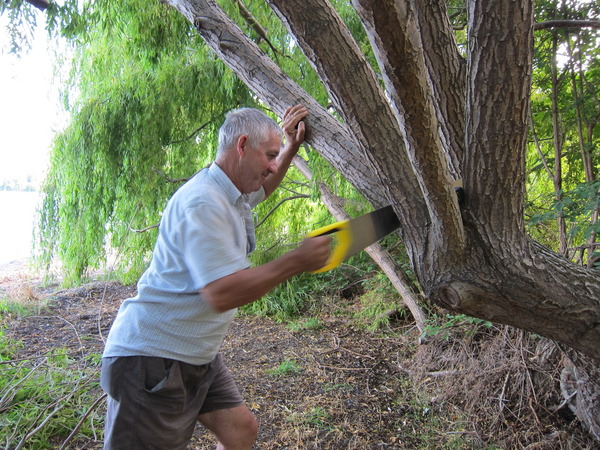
[[29, 108], [30, 114]]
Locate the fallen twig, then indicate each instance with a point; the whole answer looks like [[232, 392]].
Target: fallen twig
[[81, 422]]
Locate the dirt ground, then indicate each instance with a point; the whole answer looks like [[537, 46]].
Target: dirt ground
[[342, 387]]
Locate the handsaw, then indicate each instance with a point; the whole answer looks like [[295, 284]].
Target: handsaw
[[356, 234]]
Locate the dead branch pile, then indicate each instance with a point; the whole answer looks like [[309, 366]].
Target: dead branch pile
[[502, 383]]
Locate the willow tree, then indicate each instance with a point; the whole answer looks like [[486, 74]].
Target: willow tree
[[435, 119], [409, 125], [426, 119], [404, 130]]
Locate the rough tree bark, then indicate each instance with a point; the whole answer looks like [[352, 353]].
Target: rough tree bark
[[407, 151], [439, 117]]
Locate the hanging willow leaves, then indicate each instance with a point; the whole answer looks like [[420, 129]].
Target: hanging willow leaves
[[149, 98], [146, 106]]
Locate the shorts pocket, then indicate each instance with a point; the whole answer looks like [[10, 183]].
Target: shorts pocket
[[161, 374]]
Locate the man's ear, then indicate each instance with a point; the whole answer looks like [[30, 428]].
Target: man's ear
[[241, 145]]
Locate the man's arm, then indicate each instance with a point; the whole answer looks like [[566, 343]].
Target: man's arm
[[293, 129], [248, 285]]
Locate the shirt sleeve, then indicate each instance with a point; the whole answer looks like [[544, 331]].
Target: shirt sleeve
[[211, 247]]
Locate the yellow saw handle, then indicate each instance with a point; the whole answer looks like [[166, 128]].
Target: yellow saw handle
[[341, 231]]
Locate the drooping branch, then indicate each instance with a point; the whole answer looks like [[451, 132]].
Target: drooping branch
[[253, 23], [279, 203], [143, 230], [168, 179]]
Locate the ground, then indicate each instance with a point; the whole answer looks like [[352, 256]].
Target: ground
[[320, 384]]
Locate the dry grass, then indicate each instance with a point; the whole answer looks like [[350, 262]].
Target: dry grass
[[503, 384]]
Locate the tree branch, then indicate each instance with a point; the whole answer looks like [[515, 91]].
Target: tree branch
[[40, 4], [143, 230], [568, 24], [169, 180], [446, 69], [192, 134], [394, 30], [332, 139], [274, 208], [498, 93]]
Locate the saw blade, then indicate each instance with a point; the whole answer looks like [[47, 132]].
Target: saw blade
[[370, 228]]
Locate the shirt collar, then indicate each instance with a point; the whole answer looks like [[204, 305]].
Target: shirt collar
[[231, 192]]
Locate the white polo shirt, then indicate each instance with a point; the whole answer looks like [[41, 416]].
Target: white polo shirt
[[206, 233]]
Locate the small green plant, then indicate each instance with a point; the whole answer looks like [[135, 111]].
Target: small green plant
[[338, 387], [316, 417], [311, 323], [12, 308], [438, 326], [376, 303], [283, 303], [8, 347], [287, 367]]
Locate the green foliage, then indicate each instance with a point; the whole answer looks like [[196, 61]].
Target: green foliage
[[563, 156], [8, 347], [287, 367], [287, 300], [11, 308], [311, 323], [146, 114], [146, 98], [316, 417], [576, 206], [50, 397], [379, 299], [443, 326]]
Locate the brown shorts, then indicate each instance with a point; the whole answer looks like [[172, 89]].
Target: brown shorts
[[154, 403]]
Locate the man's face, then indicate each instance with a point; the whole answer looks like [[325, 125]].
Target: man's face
[[259, 161]]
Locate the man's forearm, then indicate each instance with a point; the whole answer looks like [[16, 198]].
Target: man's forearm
[[248, 285], [283, 164]]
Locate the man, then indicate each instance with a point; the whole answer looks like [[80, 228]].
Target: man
[[161, 367]]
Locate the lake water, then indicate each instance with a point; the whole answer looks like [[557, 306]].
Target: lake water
[[17, 215]]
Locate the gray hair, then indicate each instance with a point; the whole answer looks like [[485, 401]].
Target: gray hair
[[249, 121]]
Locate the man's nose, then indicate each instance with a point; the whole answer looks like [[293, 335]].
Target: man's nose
[[273, 167]]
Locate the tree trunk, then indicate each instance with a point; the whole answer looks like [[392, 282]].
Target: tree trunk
[[580, 384], [438, 118], [558, 140], [477, 260]]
